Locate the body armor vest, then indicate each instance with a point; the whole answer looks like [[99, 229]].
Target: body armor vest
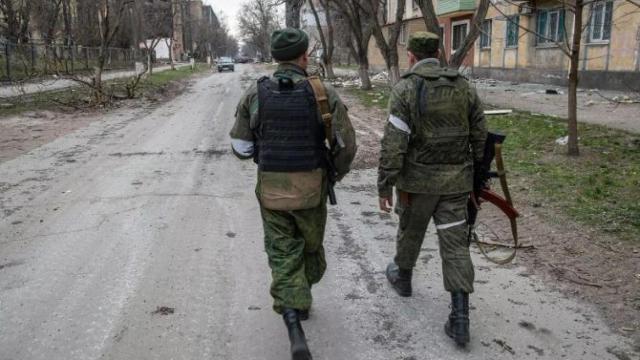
[[442, 128], [290, 136]]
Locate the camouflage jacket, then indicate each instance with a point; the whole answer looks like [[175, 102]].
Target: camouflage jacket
[[436, 130], [242, 133]]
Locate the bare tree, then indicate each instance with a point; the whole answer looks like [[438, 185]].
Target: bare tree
[[388, 45], [17, 15], [326, 35], [154, 20], [431, 22], [361, 29], [257, 20], [292, 11], [571, 49], [110, 15]]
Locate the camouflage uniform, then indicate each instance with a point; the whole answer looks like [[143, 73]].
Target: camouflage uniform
[[436, 131], [293, 239]]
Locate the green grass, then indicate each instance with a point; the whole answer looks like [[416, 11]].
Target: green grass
[[600, 188], [378, 96], [347, 67], [79, 95]]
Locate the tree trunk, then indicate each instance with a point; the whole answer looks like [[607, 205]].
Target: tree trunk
[[292, 10], [170, 46], [363, 72], [394, 74], [328, 67], [97, 79], [388, 46], [149, 63], [573, 149]]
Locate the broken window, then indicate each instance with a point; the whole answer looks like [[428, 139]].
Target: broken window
[[513, 28], [485, 34], [459, 34], [550, 26], [600, 27]]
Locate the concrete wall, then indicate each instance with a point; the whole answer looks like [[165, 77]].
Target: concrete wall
[[620, 54], [589, 79]]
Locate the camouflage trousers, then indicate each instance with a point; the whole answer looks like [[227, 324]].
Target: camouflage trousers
[[293, 242], [449, 213]]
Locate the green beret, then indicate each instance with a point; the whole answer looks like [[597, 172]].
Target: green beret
[[422, 43], [288, 44]]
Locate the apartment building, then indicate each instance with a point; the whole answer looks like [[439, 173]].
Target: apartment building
[[454, 17], [524, 40]]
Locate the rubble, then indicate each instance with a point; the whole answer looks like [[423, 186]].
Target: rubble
[[381, 77]]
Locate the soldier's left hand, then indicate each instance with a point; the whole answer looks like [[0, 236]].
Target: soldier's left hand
[[386, 203]]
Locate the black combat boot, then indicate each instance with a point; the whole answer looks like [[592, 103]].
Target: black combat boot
[[458, 325], [303, 315], [400, 279], [299, 348]]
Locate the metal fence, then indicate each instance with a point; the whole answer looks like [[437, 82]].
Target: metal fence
[[20, 62]]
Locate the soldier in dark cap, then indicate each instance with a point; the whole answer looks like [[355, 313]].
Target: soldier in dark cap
[[435, 134], [288, 124]]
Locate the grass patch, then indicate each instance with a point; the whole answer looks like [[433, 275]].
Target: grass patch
[[600, 188], [78, 96], [347, 67], [378, 96]]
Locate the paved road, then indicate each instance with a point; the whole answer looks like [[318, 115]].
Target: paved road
[[147, 208], [9, 91]]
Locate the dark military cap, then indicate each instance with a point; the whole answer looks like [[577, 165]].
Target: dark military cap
[[422, 43], [288, 44]]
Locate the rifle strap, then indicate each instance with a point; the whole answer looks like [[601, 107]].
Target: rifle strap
[[320, 93]]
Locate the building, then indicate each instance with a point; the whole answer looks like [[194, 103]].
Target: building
[[193, 23], [454, 17], [308, 23], [524, 40]]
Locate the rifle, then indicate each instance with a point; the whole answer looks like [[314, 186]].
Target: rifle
[[483, 193], [332, 172]]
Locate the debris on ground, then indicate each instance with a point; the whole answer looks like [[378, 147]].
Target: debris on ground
[[552, 92], [563, 140], [498, 112], [163, 310], [503, 344], [381, 77]]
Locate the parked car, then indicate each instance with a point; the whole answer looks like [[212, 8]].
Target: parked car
[[225, 63]]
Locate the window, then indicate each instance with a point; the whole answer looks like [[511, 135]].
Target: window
[[551, 26], [402, 39], [485, 34], [513, 27], [459, 31], [441, 35], [600, 27]]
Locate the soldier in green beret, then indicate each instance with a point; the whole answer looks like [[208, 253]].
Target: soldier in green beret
[[435, 134], [288, 123]]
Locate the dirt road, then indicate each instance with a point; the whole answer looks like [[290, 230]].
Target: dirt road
[[138, 237]]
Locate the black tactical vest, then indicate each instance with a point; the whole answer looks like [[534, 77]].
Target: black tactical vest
[[290, 135]]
